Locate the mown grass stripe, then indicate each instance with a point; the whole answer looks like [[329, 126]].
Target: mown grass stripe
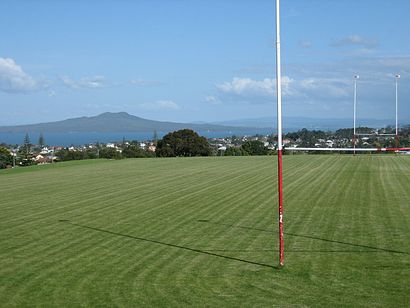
[[209, 218]]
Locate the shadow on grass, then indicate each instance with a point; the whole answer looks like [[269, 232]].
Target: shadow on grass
[[295, 250], [168, 244], [374, 249]]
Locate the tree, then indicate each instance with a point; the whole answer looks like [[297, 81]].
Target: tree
[[234, 151], [41, 141], [25, 151], [183, 142], [6, 159], [254, 147], [132, 151], [110, 153], [155, 138]]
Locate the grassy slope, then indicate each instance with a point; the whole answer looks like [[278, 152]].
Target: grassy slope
[[202, 231]]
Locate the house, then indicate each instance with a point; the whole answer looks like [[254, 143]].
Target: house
[[41, 160], [152, 148], [38, 157], [45, 151]]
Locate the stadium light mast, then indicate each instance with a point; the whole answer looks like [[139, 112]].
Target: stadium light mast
[[279, 115], [354, 112], [397, 77]]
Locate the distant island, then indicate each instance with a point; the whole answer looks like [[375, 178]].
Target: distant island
[[120, 122], [110, 122]]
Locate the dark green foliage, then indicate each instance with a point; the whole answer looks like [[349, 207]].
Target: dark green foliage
[[155, 137], [348, 132], [306, 138], [234, 151], [25, 154], [26, 147], [6, 159], [132, 151], [344, 133], [254, 147], [67, 155], [405, 136], [110, 153], [41, 141], [184, 142]]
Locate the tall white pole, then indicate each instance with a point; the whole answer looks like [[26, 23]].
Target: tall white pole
[[279, 115], [354, 111], [397, 105], [278, 77]]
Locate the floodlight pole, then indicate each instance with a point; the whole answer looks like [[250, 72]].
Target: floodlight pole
[[354, 112], [279, 115], [397, 112]]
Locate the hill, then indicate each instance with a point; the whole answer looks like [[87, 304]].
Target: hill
[[112, 122], [296, 123]]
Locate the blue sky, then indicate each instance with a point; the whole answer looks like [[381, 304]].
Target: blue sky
[[201, 60]]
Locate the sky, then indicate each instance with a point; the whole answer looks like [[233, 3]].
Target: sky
[[202, 60]]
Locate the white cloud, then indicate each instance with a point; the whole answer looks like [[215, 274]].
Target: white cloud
[[325, 88], [264, 91], [355, 40], [250, 90], [145, 83], [14, 80], [213, 100], [242, 86], [395, 63], [85, 82], [160, 105]]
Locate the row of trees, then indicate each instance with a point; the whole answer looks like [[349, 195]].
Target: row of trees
[[308, 138], [254, 147], [188, 143], [22, 157], [132, 150]]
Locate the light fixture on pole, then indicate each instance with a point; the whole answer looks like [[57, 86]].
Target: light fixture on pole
[[279, 115]]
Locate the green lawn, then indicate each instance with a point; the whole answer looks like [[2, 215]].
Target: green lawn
[[203, 232]]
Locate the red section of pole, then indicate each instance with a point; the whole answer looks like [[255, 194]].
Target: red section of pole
[[397, 149], [280, 191], [354, 144]]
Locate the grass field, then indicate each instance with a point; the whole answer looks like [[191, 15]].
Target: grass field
[[203, 232]]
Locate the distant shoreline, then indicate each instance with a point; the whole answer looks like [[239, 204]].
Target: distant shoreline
[[81, 138]]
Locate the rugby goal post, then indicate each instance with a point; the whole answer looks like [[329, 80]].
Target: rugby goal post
[[280, 146]]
